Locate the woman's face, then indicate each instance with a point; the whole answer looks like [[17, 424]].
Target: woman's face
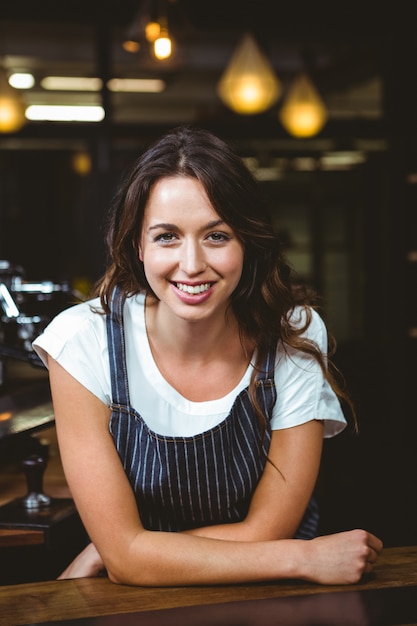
[[192, 259]]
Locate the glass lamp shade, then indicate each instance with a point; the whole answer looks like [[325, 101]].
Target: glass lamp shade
[[131, 45], [248, 84], [303, 114], [163, 46], [152, 31], [12, 110]]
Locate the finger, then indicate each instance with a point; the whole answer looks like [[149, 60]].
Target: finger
[[374, 550], [372, 557], [375, 543]]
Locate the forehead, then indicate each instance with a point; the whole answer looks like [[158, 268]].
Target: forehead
[[178, 196]]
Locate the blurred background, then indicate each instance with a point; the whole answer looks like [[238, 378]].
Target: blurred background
[[85, 87]]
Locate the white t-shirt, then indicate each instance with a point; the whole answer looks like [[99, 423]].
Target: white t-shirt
[[77, 340]]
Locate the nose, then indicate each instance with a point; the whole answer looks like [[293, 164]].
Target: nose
[[192, 257]]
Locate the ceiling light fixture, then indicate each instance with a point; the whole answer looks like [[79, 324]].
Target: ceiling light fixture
[[81, 163], [65, 113], [136, 85], [21, 80], [152, 31], [162, 46], [131, 45], [71, 83], [150, 25], [126, 85], [143, 27], [303, 113], [12, 108], [249, 84], [162, 41]]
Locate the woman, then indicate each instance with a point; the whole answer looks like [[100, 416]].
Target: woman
[[192, 395]]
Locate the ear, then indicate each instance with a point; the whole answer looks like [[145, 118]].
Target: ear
[[136, 244]]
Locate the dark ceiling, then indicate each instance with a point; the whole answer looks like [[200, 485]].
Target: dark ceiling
[[342, 45], [272, 16]]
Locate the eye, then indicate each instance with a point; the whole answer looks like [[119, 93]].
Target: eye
[[165, 238], [218, 237]]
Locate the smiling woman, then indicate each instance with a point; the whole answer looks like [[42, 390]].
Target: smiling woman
[[213, 382], [190, 256]]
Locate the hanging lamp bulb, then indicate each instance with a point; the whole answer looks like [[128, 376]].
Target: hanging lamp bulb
[[131, 45], [249, 84], [12, 109], [162, 46], [152, 31], [303, 113]]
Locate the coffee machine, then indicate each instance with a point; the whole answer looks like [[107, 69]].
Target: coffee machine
[[26, 307]]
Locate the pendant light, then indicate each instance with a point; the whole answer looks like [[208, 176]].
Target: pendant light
[[303, 113], [162, 40], [12, 109], [249, 84], [150, 26], [162, 46]]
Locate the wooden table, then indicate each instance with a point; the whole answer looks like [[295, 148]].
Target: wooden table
[[392, 586]]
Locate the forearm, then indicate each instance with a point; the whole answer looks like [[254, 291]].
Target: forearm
[[238, 531], [89, 562], [230, 532], [173, 559], [162, 559]]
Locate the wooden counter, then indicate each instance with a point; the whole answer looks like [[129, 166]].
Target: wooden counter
[[29, 549], [91, 597]]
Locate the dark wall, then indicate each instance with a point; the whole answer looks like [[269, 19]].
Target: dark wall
[[51, 223]]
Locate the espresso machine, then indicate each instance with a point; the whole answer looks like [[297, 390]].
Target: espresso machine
[[26, 307]]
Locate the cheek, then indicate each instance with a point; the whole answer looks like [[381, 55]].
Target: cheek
[[156, 262], [232, 261]]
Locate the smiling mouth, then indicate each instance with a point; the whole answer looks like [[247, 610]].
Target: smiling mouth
[[193, 289]]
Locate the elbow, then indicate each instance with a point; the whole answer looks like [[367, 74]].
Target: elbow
[[124, 573], [138, 566], [137, 578], [125, 576], [119, 578], [116, 575]]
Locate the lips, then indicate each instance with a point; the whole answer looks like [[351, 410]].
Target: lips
[[193, 289]]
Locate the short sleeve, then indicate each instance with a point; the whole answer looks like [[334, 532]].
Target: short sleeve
[[76, 339], [303, 394]]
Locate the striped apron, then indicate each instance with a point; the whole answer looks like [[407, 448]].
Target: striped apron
[[187, 482]]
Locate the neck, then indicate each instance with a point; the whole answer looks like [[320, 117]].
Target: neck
[[194, 340]]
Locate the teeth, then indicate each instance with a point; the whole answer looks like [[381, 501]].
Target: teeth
[[193, 289]]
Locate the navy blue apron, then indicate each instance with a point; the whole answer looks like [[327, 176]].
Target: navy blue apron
[[188, 482]]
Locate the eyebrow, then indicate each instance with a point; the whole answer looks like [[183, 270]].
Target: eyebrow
[[167, 226]]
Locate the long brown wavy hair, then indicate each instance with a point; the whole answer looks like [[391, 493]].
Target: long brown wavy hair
[[264, 299]]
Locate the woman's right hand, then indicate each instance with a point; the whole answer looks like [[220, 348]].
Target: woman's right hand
[[342, 558], [86, 565]]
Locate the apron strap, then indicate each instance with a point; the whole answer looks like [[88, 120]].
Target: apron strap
[[117, 349]]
